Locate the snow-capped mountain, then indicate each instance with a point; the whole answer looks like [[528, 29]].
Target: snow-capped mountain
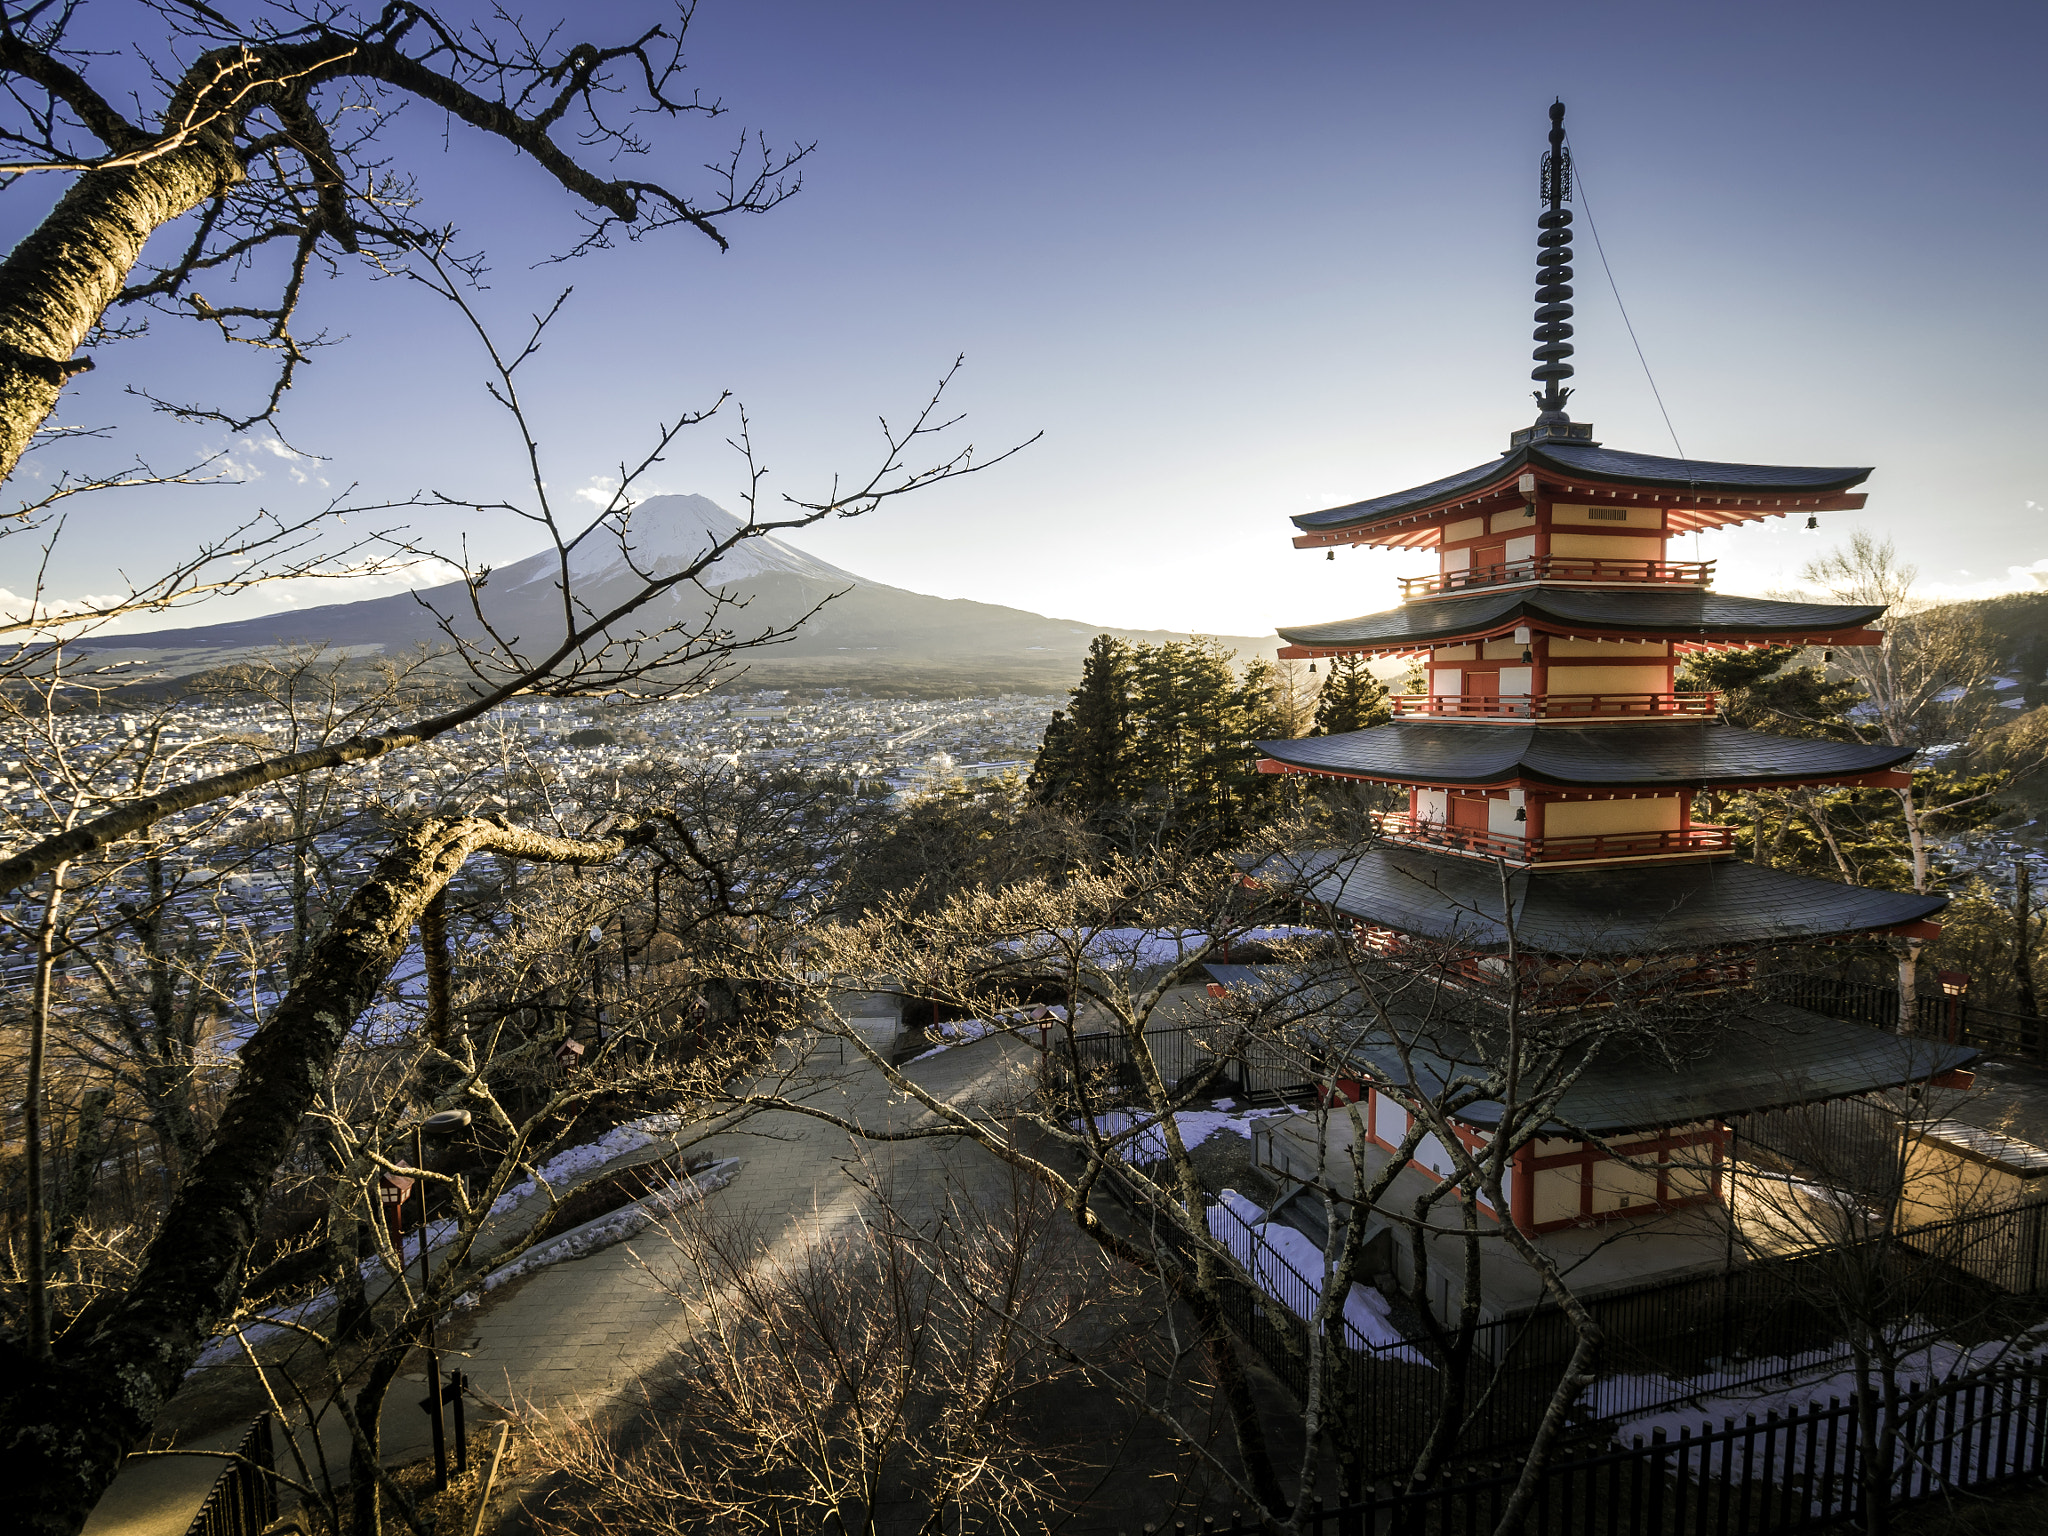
[[665, 533], [865, 632]]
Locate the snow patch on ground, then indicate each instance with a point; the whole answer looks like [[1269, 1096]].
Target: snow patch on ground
[[1120, 948], [614, 1143], [1195, 1125], [1287, 1266], [966, 1031], [273, 1324], [1714, 1400], [561, 1169], [627, 1221]]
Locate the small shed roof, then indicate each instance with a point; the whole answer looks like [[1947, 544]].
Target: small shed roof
[[1979, 1144]]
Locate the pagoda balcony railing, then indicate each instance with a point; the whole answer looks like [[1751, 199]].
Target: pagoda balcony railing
[[1689, 573], [1557, 706], [1399, 827]]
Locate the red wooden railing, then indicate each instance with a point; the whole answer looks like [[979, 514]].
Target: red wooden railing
[[1692, 573], [1400, 827], [1556, 706]]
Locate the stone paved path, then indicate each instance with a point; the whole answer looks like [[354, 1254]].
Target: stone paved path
[[576, 1332]]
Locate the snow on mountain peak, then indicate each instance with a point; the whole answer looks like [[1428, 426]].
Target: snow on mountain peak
[[666, 533]]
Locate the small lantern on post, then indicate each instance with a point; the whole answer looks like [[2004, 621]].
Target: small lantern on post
[[1955, 986], [392, 1189]]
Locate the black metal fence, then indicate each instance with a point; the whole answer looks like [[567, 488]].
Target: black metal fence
[[1804, 1471], [1254, 1069], [244, 1498], [2018, 1036], [1667, 1342]]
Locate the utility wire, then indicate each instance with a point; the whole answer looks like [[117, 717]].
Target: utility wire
[[1579, 176]]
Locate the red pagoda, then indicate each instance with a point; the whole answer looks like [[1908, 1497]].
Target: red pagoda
[[1550, 738]]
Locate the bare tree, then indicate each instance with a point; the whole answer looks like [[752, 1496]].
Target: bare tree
[[1138, 1040], [1921, 688], [889, 1367], [270, 131]]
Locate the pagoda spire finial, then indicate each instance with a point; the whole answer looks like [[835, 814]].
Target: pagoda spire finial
[[1553, 277]]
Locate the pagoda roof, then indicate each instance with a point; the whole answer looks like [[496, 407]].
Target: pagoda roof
[[1688, 478], [1757, 1054], [1613, 909], [1764, 1055], [1647, 754], [1652, 613]]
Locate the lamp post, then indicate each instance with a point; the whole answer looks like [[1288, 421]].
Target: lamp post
[[1955, 985], [445, 1123]]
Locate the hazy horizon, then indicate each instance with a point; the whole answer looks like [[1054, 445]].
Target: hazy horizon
[[1236, 266]]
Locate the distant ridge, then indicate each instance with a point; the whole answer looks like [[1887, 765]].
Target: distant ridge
[[869, 635]]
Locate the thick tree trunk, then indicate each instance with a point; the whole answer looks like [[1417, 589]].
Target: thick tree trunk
[[65, 1425], [57, 283]]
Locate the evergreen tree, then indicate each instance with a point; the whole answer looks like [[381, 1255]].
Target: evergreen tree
[[1352, 699], [1082, 763], [1156, 741]]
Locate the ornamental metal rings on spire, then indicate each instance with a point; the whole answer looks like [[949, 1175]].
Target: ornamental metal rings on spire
[[1554, 275]]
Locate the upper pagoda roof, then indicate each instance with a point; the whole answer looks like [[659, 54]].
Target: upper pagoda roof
[[1648, 613], [1650, 755], [1614, 909], [1589, 463]]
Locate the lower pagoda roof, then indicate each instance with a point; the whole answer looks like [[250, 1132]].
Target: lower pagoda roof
[[1615, 909], [1684, 754], [1659, 613], [1760, 1055], [1688, 479]]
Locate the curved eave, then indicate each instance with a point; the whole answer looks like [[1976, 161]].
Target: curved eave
[[1636, 909], [1765, 1055], [1718, 493], [1660, 755], [1699, 617]]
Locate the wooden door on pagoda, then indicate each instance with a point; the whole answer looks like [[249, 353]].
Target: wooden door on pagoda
[[1469, 816], [1482, 689], [1487, 560]]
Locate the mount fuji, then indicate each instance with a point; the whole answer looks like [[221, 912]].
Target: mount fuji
[[868, 635]]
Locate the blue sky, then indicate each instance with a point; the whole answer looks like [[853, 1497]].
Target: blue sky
[[1235, 263]]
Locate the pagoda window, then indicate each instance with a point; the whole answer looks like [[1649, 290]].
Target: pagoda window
[[1631, 517], [1457, 560], [1521, 549], [1430, 806]]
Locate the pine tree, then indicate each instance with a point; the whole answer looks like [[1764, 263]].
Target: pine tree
[[1352, 699], [1083, 762]]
